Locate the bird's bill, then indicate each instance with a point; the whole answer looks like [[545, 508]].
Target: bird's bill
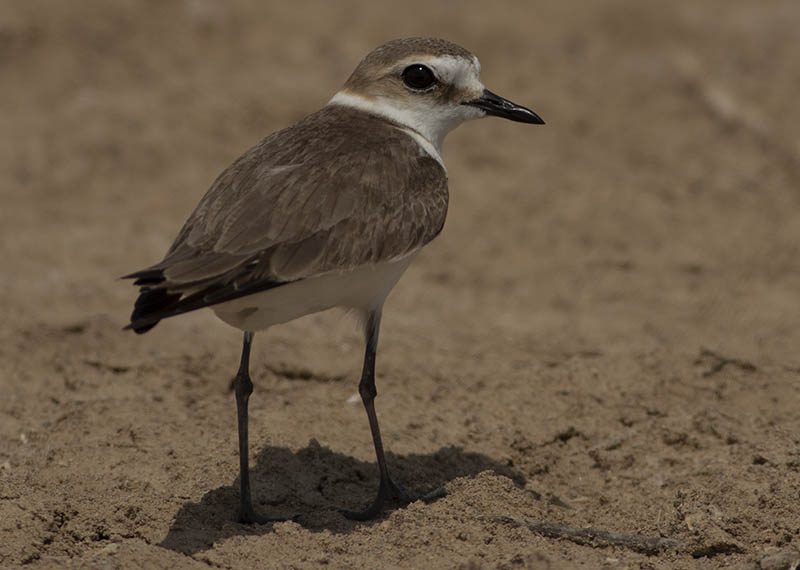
[[496, 106]]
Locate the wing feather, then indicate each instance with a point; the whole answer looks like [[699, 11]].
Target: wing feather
[[335, 191]]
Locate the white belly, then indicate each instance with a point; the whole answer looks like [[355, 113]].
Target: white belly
[[364, 288]]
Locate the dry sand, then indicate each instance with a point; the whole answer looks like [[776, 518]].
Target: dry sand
[[605, 336]]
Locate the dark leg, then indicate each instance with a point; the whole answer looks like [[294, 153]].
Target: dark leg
[[388, 489], [244, 387]]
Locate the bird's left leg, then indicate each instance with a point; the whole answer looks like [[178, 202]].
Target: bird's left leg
[[388, 489]]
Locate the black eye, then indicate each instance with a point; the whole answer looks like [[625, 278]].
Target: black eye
[[418, 77]]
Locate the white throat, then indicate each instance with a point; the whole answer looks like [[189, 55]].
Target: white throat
[[427, 128]]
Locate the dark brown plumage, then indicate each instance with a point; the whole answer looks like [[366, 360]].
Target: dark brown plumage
[[337, 190]]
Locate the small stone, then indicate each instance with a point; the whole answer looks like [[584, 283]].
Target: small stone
[[783, 560], [109, 549]]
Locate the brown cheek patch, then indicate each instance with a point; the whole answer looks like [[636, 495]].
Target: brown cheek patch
[[388, 87]]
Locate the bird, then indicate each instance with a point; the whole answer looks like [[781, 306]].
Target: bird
[[327, 212]]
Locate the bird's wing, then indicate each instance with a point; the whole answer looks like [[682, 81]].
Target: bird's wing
[[300, 204]]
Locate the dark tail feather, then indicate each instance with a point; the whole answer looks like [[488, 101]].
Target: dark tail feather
[[150, 301], [149, 276], [156, 302]]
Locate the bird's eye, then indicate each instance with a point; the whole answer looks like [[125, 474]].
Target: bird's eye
[[418, 77]]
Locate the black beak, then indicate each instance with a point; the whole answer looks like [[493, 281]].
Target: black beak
[[498, 107]]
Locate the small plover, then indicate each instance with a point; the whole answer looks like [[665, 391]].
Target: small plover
[[328, 212]]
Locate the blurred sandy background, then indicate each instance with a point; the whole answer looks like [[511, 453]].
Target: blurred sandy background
[[606, 334]]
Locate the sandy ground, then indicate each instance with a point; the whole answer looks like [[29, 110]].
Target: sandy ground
[[605, 336]]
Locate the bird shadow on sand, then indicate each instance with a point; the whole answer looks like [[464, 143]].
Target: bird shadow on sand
[[311, 485]]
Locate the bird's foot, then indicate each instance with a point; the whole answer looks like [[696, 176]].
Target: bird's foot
[[391, 491]]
